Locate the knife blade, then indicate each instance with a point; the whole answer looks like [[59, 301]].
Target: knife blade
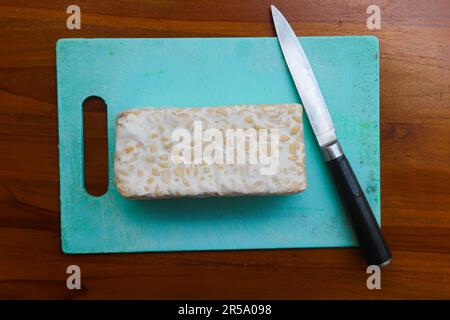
[[368, 232]]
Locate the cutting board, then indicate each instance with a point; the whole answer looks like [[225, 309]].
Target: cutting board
[[130, 73]]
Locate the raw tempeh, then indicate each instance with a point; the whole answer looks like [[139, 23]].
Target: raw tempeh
[[144, 167]]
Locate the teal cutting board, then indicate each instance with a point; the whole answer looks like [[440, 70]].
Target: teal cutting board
[[210, 72]]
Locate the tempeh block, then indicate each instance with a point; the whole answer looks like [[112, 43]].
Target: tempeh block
[[210, 151]]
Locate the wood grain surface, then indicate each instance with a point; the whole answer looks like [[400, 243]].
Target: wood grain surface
[[415, 151]]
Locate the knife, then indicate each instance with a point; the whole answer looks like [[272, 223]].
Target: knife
[[368, 232]]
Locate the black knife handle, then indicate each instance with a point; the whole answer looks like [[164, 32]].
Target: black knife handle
[[370, 237]]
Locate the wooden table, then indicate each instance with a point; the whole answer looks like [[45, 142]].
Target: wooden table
[[415, 151]]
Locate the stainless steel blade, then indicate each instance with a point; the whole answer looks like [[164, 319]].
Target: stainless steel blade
[[304, 80]]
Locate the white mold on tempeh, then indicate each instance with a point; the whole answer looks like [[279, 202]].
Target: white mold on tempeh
[[144, 166]]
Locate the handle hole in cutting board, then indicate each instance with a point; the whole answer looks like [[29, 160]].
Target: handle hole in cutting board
[[95, 140]]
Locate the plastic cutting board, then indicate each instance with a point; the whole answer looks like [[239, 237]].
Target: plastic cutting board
[[130, 73]]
